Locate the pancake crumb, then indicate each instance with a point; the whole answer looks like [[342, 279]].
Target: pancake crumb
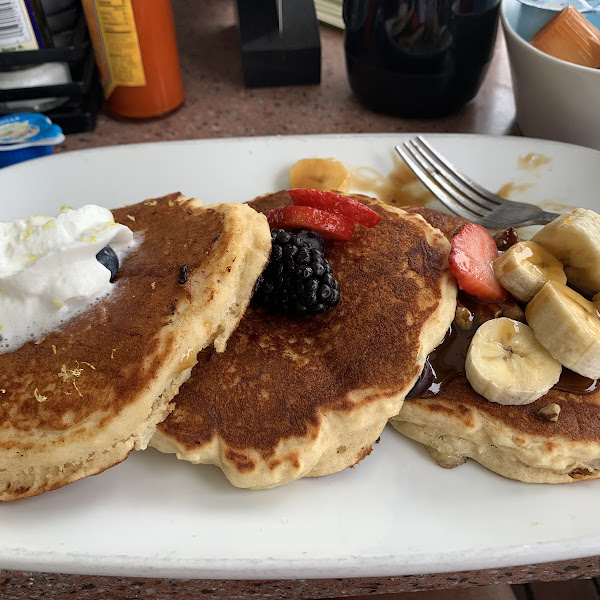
[[39, 396]]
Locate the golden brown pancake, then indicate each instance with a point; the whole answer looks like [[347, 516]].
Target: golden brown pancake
[[518, 442], [449, 225], [81, 399], [308, 396]]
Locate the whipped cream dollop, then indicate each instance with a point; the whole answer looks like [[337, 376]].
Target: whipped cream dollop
[[49, 272]]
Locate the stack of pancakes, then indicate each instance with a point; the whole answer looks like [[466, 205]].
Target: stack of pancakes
[[271, 398]]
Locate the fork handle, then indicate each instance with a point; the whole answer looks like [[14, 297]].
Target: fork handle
[[540, 219]]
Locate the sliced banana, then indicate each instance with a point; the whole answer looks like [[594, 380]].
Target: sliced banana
[[574, 238], [567, 325], [320, 174], [507, 365], [525, 267]]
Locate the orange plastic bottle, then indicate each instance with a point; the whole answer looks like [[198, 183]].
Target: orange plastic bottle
[[136, 51]]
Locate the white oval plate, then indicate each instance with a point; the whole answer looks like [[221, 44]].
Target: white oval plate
[[396, 513]]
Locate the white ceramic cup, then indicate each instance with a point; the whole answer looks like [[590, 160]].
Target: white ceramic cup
[[555, 99]]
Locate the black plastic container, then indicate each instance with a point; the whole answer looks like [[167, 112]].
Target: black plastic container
[[84, 92], [418, 58]]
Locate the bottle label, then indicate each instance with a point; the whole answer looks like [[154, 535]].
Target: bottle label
[[116, 44], [18, 29]]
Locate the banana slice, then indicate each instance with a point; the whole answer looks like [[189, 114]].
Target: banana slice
[[574, 238], [525, 267], [567, 325], [320, 174], [507, 365]]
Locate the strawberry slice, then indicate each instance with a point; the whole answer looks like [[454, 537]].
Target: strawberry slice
[[330, 201], [329, 225], [473, 251]]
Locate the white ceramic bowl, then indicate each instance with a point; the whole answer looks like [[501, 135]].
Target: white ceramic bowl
[[555, 99]]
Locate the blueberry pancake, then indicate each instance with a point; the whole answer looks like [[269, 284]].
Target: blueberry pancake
[[307, 396], [80, 399]]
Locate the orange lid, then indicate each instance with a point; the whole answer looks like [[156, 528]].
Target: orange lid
[[571, 37]]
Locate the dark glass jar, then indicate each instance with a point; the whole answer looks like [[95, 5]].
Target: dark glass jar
[[418, 58]]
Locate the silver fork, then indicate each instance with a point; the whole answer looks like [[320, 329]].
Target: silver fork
[[462, 195]]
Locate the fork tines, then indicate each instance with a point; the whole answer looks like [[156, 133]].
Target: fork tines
[[460, 194]]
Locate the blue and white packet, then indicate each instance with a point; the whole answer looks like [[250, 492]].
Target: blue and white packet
[[27, 135]]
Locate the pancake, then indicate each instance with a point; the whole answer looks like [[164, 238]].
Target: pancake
[[308, 396], [517, 442], [449, 225], [79, 400]]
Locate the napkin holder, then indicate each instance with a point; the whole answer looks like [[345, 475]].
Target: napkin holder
[[279, 47]]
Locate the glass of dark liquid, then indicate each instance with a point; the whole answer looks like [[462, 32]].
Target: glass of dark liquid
[[418, 58]]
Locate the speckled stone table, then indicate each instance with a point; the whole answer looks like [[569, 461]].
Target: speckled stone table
[[18, 585], [218, 105]]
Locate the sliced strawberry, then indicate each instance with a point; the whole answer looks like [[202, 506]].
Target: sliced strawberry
[[329, 225], [332, 202], [473, 251]]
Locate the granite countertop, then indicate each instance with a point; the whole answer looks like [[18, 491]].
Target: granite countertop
[[218, 105]]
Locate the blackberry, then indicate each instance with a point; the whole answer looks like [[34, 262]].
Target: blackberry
[[298, 279], [312, 239]]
